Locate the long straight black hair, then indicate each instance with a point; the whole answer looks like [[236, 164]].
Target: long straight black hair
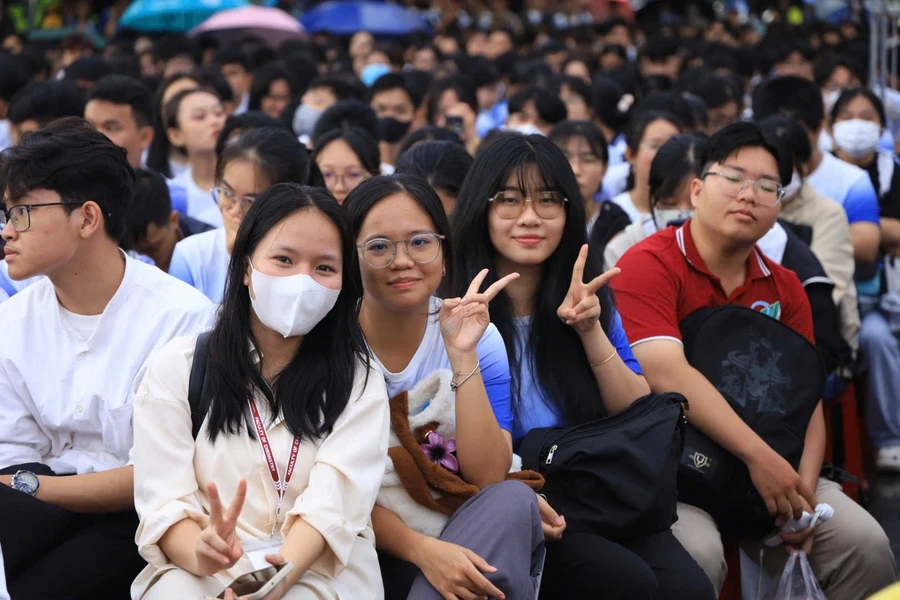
[[556, 353], [314, 388]]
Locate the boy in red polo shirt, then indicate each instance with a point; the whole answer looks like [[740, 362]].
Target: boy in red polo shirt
[[709, 261]]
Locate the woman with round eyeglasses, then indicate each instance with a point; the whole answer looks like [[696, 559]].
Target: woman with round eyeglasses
[[346, 157], [403, 239], [247, 167], [570, 359]]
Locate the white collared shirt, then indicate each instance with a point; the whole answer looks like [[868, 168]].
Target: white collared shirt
[[66, 401]]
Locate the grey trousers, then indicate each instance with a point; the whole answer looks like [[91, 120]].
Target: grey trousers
[[502, 525], [881, 355]]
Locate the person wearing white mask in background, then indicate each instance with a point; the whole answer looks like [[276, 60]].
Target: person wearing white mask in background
[[857, 121], [288, 350], [831, 243], [323, 93], [676, 164]]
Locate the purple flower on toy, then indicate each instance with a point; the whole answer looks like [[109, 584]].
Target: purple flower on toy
[[441, 452]]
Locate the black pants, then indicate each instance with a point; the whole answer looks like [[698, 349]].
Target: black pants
[[587, 566], [52, 553]]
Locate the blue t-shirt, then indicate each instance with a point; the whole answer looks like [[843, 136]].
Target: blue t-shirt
[[202, 261], [535, 409], [849, 186], [432, 356]]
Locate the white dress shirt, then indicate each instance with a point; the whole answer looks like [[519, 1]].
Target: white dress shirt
[[66, 398], [333, 488]]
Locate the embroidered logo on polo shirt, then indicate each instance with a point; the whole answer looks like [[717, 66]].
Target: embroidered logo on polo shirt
[[771, 310]]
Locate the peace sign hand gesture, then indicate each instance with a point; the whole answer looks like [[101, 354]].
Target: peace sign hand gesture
[[464, 320], [581, 307], [218, 547]]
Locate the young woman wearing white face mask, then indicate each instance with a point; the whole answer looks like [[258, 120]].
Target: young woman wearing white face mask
[[675, 165], [857, 123], [855, 117], [289, 458]]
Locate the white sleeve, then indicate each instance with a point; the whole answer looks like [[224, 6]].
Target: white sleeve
[[347, 473], [165, 484], [21, 438]]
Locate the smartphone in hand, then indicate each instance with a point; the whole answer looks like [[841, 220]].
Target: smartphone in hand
[[255, 585], [454, 124]]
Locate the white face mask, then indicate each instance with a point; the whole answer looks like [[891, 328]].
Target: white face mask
[[305, 119], [663, 216], [857, 137], [526, 129], [290, 305], [791, 189]]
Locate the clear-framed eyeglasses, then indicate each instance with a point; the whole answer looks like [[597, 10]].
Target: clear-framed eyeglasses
[[380, 253], [734, 183], [225, 198], [510, 204]]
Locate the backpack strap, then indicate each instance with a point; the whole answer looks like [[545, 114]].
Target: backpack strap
[[199, 403]]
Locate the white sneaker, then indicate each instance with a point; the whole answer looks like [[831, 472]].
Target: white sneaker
[[888, 458]]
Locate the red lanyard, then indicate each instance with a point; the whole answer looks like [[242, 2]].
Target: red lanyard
[[280, 486]]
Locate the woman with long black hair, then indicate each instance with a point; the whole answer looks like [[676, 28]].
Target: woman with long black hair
[[519, 210], [296, 429]]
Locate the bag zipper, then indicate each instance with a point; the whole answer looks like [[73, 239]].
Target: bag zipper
[[573, 434], [550, 454]]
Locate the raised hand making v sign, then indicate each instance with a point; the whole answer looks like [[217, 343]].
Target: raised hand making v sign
[[580, 309], [464, 320], [218, 547]]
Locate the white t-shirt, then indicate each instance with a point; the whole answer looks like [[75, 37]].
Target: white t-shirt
[[625, 203], [849, 186], [201, 260], [432, 356], [83, 325], [200, 203]]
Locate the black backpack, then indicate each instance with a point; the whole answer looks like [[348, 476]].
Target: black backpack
[[773, 378], [199, 403], [616, 476]]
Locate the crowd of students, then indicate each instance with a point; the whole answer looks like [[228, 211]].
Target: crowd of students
[[231, 275]]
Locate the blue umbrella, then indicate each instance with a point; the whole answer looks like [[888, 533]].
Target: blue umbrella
[[346, 17], [173, 15]]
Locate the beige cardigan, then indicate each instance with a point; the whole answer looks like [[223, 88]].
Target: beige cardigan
[[832, 246], [334, 485]]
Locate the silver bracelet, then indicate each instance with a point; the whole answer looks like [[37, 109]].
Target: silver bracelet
[[455, 386]]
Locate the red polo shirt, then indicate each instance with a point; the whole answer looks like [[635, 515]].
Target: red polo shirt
[[663, 280]]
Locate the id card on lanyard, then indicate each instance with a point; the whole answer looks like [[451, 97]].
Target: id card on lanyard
[[280, 484]]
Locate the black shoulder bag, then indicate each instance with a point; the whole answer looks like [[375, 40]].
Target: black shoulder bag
[[196, 384], [615, 476], [773, 378]]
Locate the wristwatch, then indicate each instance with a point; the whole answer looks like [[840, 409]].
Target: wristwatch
[[25, 481]]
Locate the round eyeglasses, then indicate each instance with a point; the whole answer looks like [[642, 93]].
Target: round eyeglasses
[[511, 204], [732, 183], [226, 199], [380, 253]]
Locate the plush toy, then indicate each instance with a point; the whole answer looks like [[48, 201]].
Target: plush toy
[[418, 486]]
